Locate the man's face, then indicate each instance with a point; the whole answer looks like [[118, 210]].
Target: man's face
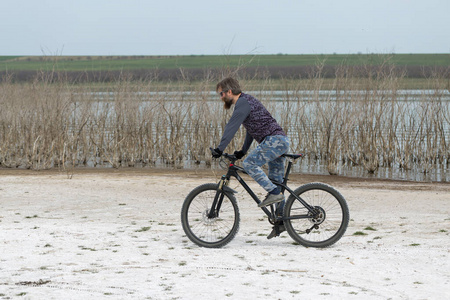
[[225, 96]]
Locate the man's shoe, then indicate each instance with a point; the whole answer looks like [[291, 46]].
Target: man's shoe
[[277, 229], [271, 199]]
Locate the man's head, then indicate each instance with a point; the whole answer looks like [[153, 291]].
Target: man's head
[[229, 91]]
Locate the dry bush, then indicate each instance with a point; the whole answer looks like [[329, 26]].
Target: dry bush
[[366, 122]]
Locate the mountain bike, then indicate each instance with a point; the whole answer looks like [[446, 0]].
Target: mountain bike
[[314, 215]]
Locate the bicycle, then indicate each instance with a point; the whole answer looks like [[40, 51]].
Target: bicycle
[[314, 215]]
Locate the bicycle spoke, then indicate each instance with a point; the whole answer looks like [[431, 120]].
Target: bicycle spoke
[[204, 230], [326, 224]]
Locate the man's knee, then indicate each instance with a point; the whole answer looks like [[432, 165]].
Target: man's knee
[[246, 165], [250, 164]]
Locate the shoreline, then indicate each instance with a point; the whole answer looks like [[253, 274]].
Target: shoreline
[[205, 173]]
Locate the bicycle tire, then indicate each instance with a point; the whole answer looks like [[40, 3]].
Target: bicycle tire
[[204, 231], [333, 211]]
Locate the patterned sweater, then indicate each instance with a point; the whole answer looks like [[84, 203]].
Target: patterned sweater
[[258, 122]]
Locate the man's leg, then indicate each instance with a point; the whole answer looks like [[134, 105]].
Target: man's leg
[[269, 150], [276, 172], [276, 169], [275, 146]]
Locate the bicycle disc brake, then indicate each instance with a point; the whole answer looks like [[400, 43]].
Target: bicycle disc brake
[[208, 220], [317, 218]]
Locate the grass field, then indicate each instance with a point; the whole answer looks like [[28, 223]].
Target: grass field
[[113, 63]]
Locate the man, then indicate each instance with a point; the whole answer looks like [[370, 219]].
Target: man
[[263, 128]]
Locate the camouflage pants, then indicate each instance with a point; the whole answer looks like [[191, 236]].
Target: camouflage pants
[[269, 152]]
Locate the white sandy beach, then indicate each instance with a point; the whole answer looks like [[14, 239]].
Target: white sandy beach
[[116, 234]]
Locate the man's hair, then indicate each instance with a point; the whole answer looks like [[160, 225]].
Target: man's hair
[[229, 84]]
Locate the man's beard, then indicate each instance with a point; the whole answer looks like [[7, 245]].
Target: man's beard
[[227, 103]]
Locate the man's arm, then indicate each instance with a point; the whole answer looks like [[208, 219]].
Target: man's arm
[[247, 143], [240, 113]]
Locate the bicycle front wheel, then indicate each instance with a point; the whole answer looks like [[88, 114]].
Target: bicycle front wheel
[[326, 225], [205, 229]]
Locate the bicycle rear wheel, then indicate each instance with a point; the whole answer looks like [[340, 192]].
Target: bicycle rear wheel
[[200, 227], [326, 225]]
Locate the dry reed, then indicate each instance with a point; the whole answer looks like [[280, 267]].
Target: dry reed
[[368, 122]]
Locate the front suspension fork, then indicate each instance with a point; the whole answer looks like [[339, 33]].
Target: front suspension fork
[[218, 198]]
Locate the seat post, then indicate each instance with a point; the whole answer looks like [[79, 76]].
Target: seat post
[[286, 174]]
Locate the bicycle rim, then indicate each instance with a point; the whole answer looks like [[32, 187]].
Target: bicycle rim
[[203, 230], [327, 226]]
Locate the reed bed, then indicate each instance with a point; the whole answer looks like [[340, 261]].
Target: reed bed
[[366, 122]]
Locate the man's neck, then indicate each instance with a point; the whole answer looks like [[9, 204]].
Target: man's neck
[[236, 97]]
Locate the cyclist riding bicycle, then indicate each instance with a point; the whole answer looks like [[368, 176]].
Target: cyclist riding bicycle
[[260, 126]]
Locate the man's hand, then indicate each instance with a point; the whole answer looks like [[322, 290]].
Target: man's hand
[[216, 153], [239, 154]]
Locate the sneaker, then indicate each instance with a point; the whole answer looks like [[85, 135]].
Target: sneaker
[[271, 199], [277, 229]]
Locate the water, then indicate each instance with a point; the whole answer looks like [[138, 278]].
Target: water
[[277, 95]]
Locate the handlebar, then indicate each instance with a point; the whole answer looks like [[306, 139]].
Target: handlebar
[[231, 157]]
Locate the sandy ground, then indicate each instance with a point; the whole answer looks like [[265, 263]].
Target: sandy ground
[[109, 234]]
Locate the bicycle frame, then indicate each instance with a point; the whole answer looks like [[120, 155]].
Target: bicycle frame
[[233, 171]]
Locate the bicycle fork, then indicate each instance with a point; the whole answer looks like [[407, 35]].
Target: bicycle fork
[[218, 198]]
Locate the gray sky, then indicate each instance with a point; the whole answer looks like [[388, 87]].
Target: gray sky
[[167, 27]]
